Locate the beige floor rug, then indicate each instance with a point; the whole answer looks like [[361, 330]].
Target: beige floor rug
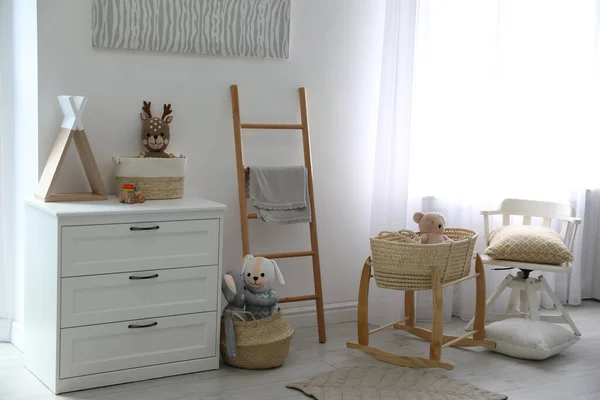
[[389, 383]]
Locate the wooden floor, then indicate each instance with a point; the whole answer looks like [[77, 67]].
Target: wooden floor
[[573, 375]]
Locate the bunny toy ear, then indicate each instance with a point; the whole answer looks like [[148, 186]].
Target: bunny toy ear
[[229, 282], [278, 272], [247, 259]]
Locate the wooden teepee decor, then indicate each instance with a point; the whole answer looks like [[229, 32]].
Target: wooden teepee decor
[[71, 129]]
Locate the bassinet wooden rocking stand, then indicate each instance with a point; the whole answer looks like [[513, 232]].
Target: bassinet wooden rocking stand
[[438, 341]]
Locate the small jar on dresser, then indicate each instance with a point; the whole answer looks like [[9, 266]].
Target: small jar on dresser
[[118, 292]]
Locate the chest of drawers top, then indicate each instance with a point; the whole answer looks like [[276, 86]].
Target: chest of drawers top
[[113, 211]]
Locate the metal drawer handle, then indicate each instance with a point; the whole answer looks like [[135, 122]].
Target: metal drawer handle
[[143, 326], [145, 228], [135, 277]]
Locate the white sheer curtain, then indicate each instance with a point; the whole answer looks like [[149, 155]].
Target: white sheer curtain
[[390, 187], [503, 103]]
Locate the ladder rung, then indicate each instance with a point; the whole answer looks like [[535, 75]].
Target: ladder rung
[[297, 298], [252, 216], [287, 255], [273, 126]]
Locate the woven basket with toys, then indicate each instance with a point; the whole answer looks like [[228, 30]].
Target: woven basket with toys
[[254, 331]]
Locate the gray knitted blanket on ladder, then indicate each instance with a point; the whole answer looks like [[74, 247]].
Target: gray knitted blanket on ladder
[[280, 194]]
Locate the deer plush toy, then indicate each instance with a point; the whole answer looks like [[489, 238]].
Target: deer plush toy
[[259, 275], [431, 227], [156, 132]]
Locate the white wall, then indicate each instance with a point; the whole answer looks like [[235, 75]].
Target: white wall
[[335, 53]]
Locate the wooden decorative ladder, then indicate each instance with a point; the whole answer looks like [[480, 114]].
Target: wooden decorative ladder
[[244, 216]]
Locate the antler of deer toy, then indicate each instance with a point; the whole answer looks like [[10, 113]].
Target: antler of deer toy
[[146, 108], [166, 110]]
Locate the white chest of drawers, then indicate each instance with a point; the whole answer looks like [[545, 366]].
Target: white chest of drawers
[[118, 293]]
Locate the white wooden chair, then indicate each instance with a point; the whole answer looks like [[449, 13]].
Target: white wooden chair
[[523, 284]]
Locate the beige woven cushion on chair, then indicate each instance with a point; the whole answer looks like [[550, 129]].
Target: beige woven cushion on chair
[[527, 243]]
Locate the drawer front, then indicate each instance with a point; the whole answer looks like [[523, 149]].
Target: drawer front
[[105, 249], [98, 299], [123, 345]]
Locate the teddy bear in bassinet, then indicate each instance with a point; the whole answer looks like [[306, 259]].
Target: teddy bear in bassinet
[[431, 227]]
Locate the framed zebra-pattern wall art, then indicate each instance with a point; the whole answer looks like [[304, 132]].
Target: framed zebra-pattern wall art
[[247, 28]]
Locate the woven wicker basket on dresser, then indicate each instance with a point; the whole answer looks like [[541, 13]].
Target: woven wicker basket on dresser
[[158, 178]]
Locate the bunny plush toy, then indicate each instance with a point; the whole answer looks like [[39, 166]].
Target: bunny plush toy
[[235, 293], [259, 274]]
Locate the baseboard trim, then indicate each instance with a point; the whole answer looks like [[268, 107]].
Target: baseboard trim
[[302, 317], [298, 317], [17, 335]]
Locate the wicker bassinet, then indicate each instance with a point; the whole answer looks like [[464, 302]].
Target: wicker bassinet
[[401, 265], [261, 343]]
